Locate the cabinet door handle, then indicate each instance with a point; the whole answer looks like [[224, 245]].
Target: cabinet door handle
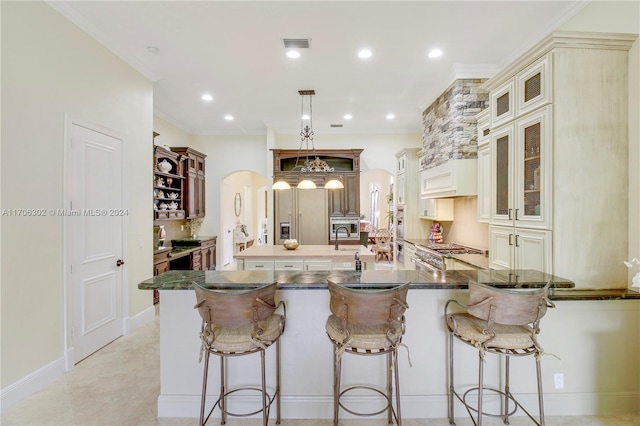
[[510, 239], [517, 241], [517, 214], [510, 213]]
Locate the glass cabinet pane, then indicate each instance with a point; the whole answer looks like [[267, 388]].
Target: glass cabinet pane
[[502, 175], [531, 170]]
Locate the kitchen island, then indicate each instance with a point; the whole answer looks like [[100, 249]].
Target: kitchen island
[[304, 258], [566, 331]]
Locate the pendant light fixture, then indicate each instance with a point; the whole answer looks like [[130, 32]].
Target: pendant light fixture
[[310, 167]]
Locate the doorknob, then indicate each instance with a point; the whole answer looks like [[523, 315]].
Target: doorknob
[[119, 262]]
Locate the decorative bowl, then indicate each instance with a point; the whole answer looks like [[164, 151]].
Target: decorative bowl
[[163, 206], [291, 244]]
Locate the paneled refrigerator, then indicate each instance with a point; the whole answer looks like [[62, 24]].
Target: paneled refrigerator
[[302, 214]]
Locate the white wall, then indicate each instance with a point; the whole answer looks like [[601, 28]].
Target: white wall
[[51, 68]]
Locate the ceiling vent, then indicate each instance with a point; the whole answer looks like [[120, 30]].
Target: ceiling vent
[[296, 43], [336, 125]]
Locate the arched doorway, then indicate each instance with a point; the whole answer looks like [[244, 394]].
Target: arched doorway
[[243, 212], [376, 189]]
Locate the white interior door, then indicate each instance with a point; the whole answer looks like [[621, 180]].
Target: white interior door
[[95, 239]]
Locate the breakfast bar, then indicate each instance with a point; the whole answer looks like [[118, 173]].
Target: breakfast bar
[[307, 352]]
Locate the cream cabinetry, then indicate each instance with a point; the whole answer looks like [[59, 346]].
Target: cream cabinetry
[[258, 265], [409, 252], [436, 209], [517, 248], [559, 118], [533, 86], [484, 166], [451, 179], [401, 187], [317, 265], [295, 265], [289, 265], [521, 172], [406, 195]]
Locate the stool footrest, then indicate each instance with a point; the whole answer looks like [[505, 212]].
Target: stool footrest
[[385, 408], [470, 407], [218, 403]]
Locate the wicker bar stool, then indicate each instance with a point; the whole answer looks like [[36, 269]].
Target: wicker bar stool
[[237, 322], [367, 321], [501, 321]]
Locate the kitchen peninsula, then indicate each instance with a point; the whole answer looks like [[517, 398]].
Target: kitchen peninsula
[[307, 353], [304, 258]]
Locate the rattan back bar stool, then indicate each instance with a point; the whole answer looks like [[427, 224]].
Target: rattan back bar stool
[[367, 321], [236, 322], [501, 321]]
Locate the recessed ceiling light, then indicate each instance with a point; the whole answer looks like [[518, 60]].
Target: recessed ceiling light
[[391, 116], [348, 117], [153, 49], [435, 53], [228, 117], [207, 97], [293, 54], [305, 117], [365, 53]]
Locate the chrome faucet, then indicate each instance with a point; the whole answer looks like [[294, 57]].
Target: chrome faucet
[[346, 229]]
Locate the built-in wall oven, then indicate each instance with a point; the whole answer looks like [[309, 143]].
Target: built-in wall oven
[[341, 225], [432, 257]]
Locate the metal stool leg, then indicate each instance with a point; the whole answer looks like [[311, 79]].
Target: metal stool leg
[[395, 371], [480, 386], [223, 390], [204, 387], [506, 391], [278, 381], [450, 393], [540, 399], [389, 388], [265, 413], [337, 365]]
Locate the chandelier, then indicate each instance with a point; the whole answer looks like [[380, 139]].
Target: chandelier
[[313, 165]]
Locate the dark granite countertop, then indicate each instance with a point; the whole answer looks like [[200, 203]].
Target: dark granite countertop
[[182, 280], [561, 289], [177, 251]]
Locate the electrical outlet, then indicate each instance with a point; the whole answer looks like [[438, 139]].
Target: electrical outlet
[[558, 380]]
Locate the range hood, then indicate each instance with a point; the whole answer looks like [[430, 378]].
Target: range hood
[[455, 178]]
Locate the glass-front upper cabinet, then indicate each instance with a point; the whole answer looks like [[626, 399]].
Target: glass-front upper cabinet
[[521, 172], [533, 86]]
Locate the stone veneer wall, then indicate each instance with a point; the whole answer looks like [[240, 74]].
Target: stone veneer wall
[[449, 127]]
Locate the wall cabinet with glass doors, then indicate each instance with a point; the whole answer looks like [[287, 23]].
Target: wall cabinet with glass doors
[[521, 172]]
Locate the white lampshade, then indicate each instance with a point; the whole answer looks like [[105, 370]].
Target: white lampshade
[[281, 185], [306, 184], [333, 184]]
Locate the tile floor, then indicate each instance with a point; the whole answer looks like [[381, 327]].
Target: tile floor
[[119, 384]]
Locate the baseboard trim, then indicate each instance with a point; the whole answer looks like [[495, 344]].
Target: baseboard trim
[[138, 320], [32, 383], [413, 407]]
